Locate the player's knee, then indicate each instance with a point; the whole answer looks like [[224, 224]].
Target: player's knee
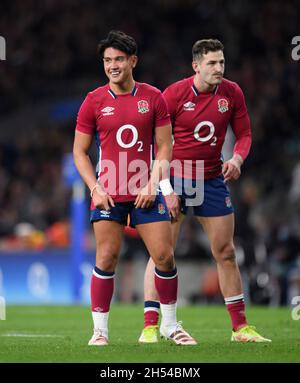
[[164, 261], [106, 259], [226, 254]]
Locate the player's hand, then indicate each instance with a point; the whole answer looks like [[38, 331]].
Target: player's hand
[[145, 198], [232, 169], [102, 200], [173, 205]]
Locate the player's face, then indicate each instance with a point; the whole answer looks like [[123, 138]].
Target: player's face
[[118, 65], [210, 67]]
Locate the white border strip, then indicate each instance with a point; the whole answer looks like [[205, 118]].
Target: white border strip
[[234, 298], [174, 276]]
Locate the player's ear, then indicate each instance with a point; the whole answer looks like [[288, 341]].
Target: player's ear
[[134, 61], [195, 66]]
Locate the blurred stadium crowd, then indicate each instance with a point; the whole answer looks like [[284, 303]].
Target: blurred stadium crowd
[[51, 58]]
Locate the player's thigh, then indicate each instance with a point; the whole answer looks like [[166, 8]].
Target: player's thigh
[[220, 231], [157, 237], [108, 235]]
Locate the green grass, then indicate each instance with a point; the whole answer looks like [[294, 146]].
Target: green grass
[[70, 328]]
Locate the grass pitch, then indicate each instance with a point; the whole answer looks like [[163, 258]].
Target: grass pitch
[[61, 333]]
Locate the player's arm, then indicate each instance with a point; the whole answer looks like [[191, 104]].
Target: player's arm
[[82, 144], [171, 198], [84, 133], [240, 124], [161, 170], [232, 168]]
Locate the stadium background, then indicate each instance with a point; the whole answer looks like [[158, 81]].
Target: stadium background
[[51, 64]]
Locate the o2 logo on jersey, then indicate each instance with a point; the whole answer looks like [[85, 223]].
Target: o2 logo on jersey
[[134, 140], [223, 105], [210, 134], [143, 106]]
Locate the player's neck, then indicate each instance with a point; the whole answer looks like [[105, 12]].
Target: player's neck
[[123, 88], [202, 86]]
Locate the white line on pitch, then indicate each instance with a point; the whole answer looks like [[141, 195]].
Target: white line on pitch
[[33, 335]]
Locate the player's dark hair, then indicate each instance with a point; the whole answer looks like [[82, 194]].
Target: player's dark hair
[[118, 40], [202, 47]]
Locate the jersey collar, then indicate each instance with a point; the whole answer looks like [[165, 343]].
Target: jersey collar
[[133, 92], [197, 93]]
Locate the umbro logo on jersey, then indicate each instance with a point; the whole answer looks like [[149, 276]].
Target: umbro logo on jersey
[[189, 106], [108, 111]]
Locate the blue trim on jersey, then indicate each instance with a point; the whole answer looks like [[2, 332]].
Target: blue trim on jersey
[[112, 93], [197, 93], [134, 90], [157, 213], [216, 201], [195, 90]]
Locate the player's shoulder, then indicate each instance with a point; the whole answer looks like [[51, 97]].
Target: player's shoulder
[[230, 87], [144, 88], [101, 91], [178, 88], [96, 97]]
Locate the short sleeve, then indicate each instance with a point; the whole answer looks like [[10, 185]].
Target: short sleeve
[[162, 117], [86, 122], [171, 101]]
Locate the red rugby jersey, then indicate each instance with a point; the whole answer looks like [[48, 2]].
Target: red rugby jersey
[[200, 122], [124, 128]]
